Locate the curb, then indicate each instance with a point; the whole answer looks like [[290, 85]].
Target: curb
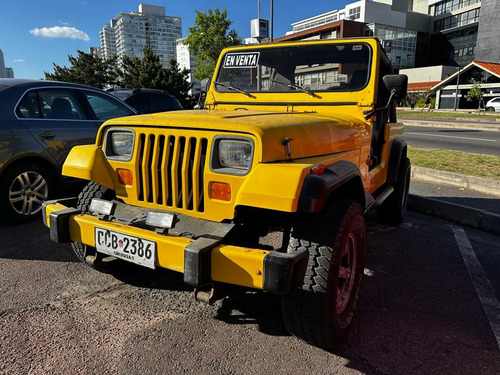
[[484, 185], [472, 217], [459, 125]]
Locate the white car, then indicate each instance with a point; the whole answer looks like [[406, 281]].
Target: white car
[[493, 105]]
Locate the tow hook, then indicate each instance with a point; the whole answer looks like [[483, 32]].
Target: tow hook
[[208, 296]]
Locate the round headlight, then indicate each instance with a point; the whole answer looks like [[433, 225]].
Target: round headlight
[[120, 144], [235, 154]]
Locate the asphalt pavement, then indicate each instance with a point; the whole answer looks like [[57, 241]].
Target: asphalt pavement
[[465, 200]]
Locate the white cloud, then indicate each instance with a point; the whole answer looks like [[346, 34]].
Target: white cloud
[[60, 32], [19, 60]]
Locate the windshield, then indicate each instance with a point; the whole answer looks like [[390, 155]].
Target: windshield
[[307, 68]]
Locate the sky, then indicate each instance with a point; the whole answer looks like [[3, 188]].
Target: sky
[[34, 34]]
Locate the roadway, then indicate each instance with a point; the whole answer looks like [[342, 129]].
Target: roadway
[[428, 305], [475, 141]]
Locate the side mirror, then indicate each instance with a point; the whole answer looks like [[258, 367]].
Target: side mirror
[[205, 85], [396, 84]]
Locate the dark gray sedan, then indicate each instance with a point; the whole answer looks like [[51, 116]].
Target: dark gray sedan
[[40, 121]]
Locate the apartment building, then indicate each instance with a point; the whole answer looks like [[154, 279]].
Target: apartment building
[[128, 33], [186, 61]]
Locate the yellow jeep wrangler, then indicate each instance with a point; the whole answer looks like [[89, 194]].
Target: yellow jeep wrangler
[[266, 187]]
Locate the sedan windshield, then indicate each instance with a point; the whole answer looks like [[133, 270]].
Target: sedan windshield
[[304, 68]]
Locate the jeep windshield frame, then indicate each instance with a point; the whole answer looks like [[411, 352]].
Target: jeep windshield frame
[[292, 68]]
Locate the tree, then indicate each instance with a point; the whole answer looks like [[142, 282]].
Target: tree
[[475, 93], [148, 72], [86, 69], [178, 85], [207, 38]]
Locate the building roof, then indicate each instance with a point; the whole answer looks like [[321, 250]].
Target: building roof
[[355, 29], [421, 86], [491, 68]]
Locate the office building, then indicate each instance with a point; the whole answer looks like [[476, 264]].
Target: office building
[[415, 33], [128, 33], [398, 27], [454, 31]]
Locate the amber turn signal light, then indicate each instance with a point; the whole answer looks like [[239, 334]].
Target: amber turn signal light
[[125, 177], [220, 191]]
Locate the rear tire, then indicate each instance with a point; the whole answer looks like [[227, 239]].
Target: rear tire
[[92, 190], [321, 311], [393, 210], [23, 190]]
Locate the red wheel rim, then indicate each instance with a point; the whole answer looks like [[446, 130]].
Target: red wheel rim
[[347, 272]]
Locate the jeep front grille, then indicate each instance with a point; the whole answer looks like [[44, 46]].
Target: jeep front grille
[[170, 170]]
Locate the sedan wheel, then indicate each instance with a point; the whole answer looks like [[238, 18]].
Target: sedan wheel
[[27, 193], [25, 190]]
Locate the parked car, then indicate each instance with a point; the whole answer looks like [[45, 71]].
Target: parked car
[[148, 100], [40, 121], [493, 105]]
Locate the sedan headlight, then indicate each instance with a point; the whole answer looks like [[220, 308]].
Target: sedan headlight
[[120, 144], [232, 155]]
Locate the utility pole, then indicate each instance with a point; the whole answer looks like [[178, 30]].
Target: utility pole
[[272, 22]]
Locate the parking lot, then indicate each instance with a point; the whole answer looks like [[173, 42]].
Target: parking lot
[[420, 312]]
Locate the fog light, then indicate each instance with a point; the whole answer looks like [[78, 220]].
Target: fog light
[[102, 207], [160, 220]]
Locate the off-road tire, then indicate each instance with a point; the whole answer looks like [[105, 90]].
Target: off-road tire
[[321, 311], [90, 191], [23, 189], [393, 210]]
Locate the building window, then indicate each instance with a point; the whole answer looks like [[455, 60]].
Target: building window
[[354, 13], [461, 19], [450, 5]]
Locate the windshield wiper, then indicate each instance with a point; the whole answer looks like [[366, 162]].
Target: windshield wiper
[[298, 88], [234, 89]]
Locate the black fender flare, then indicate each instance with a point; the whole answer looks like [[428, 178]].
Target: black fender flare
[[398, 153], [343, 177]]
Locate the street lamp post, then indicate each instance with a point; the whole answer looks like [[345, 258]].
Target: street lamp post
[[456, 90]]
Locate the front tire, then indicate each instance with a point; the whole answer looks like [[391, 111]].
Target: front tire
[[23, 190], [321, 311], [84, 252]]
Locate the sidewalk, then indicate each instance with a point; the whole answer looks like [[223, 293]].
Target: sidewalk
[[447, 199], [461, 199]]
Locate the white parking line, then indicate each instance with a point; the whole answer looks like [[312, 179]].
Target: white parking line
[[452, 136], [481, 283]]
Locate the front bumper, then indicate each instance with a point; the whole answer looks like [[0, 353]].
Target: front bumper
[[201, 257]]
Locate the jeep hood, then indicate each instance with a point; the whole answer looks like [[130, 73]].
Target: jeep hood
[[312, 134]]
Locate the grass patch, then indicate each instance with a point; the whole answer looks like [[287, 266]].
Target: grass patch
[[418, 113], [478, 165]]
